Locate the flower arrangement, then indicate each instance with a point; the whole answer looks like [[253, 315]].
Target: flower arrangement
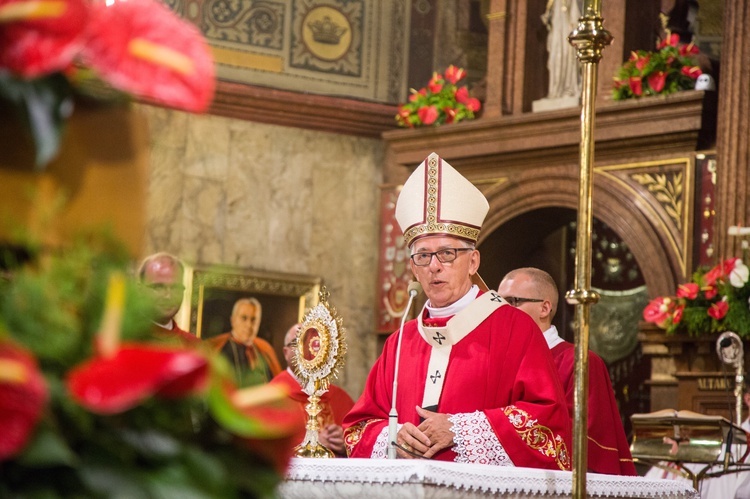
[[441, 101], [94, 404], [714, 301], [51, 50], [671, 68]]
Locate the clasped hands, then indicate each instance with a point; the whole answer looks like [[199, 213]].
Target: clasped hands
[[332, 437], [424, 441]]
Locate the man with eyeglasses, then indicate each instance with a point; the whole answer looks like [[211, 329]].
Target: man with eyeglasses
[[535, 292], [161, 274], [475, 379], [334, 403]]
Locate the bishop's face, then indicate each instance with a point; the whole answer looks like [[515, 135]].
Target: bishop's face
[[444, 283]]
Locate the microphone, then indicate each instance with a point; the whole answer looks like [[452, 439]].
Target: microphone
[[414, 289]]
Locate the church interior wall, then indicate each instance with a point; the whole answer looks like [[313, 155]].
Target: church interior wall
[[271, 198]]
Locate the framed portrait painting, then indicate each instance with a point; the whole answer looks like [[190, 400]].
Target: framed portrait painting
[[214, 290]]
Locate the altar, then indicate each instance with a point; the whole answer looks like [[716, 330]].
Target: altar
[[374, 478]]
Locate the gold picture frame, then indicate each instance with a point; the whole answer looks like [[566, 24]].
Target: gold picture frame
[[211, 292]]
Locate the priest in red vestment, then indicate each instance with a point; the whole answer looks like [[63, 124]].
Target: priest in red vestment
[[476, 382], [252, 359], [535, 292], [162, 274], [334, 404]]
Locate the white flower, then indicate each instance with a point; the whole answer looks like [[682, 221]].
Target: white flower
[[739, 274]]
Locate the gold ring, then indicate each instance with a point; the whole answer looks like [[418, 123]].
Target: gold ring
[[407, 447]]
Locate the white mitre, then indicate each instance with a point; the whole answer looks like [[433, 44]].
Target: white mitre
[[437, 200]]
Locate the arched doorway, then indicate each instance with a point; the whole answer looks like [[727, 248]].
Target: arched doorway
[[616, 275]]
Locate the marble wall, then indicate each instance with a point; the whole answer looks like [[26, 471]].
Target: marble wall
[[275, 199]]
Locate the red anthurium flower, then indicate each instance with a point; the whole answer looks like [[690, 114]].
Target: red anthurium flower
[[677, 314], [428, 114], [688, 49], [713, 275], [641, 62], [691, 71], [636, 85], [436, 83], [672, 41], [718, 310], [264, 417], [109, 385], [710, 291], [39, 37], [473, 104], [728, 265], [462, 95], [658, 311], [450, 114], [657, 80], [23, 395], [141, 47], [454, 74], [689, 290]]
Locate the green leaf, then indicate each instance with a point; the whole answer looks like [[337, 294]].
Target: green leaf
[[47, 449], [114, 481], [43, 104], [229, 417]]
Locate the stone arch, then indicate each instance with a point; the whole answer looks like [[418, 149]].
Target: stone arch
[[613, 204]]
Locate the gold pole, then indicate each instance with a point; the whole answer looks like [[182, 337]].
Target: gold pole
[[589, 38]]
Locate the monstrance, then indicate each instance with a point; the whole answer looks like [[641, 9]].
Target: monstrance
[[318, 355]]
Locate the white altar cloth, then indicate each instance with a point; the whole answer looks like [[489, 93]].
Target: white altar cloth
[[309, 478]]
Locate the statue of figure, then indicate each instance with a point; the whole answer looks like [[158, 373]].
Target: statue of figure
[[561, 17]]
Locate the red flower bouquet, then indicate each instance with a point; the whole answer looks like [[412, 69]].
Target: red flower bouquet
[[441, 101], [52, 49], [105, 408], [714, 301], [671, 68]]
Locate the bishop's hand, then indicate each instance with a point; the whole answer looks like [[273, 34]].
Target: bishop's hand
[[437, 428]]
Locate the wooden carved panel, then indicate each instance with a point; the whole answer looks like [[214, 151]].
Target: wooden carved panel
[[663, 189]]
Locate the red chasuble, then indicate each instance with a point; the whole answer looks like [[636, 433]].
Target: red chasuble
[[608, 448], [334, 403], [503, 368], [185, 337]]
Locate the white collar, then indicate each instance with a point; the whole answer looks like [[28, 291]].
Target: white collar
[[289, 369], [552, 337], [167, 326], [455, 307]]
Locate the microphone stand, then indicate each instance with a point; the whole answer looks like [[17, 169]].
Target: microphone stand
[[414, 288]]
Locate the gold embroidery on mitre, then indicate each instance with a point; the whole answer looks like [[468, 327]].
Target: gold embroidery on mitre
[[431, 225], [538, 437]]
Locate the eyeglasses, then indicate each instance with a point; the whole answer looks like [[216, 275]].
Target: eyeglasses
[[445, 255], [515, 301]]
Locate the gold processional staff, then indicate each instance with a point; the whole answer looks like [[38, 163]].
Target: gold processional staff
[[589, 38]]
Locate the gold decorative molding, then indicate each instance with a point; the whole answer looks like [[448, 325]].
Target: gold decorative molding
[[667, 187]]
